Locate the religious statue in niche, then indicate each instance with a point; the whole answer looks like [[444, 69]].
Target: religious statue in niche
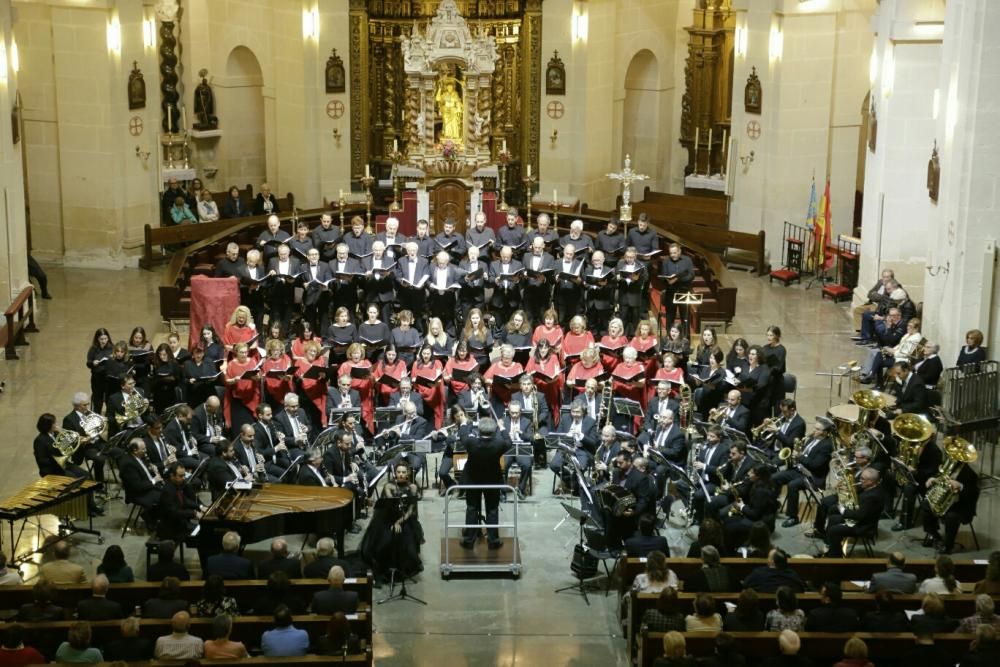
[[872, 128], [555, 76], [15, 118], [933, 174], [752, 94], [335, 78], [136, 88], [204, 104], [448, 97]]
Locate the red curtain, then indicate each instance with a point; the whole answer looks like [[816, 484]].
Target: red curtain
[[213, 301]]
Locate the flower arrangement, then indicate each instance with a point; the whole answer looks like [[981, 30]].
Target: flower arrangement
[[504, 157], [449, 151]]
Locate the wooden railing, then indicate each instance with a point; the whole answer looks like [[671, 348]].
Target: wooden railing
[[20, 319]]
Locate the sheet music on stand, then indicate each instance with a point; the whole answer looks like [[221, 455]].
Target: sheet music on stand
[[326, 437], [628, 407], [421, 446]]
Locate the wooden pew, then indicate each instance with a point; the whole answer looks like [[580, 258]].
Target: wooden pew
[[355, 659], [19, 320], [825, 647], [814, 570]]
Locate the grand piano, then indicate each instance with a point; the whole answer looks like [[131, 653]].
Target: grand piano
[[265, 511]]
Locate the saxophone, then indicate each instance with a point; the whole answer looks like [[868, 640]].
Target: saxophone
[[734, 509], [793, 453]]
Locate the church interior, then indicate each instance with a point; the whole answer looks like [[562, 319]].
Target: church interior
[[826, 171]]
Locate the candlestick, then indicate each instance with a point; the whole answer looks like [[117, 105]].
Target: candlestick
[[340, 196], [555, 198], [368, 173], [170, 121], [529, 169], [184, 122], [708, 162], [725, 151], [503, 148], [395, 145]]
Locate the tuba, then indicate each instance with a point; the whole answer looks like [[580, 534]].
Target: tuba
[[914, 432], [869, 403], [957, 452]]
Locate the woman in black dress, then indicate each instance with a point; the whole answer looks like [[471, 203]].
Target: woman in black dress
[[374, 333], [98, 355], [405, 337], [394, 535], [165, 380]]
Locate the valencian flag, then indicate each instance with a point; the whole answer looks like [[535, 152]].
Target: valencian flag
[[821, 229], [811, 220]]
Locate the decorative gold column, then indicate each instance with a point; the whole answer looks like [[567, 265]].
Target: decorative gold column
[[359, 86]]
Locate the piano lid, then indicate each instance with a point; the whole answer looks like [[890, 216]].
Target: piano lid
[[270, 500]]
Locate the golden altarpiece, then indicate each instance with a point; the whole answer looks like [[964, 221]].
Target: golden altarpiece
[[444, 91]]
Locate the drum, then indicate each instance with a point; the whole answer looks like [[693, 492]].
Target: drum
[[616, 499]]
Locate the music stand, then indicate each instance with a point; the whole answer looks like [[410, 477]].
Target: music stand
[[392, 507], [627, 407], [398, 450], [387, 415], [686, 300], [294, 464], [323, 440], [582, 518]]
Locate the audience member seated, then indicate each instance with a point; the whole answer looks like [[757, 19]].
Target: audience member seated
[[705, 618], [657, 576], [8, 577], [76, 650], [61, 571], [221, 647], [832, 615], [208, 210], [894, 579], [167, 602], [98, 607], [335, 598], [984, 616], [639, 546], [747, 617], [338, 639], [943, 582], [768, 578], [130, 646], [319, 568], [886, 617], [229, 564], [855, 654], [12, 649], [180, 213], [179, 645], [932, 619], [280, 560], [41, 608], [787, 615], [990, 584], [279, 592], [712, 577], [709, 532], [113, 566], [985, 650], [667, 616], [214, 600], [789, 645], [165, 565], [727, 653], [284, 639], [674, 652], [926, 653]]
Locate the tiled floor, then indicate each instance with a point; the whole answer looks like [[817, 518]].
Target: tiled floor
[[468, 621]]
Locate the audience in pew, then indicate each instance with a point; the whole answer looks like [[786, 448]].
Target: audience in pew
[[229, 564], [113, 566], [926, 653], [932, 618], [943, 582], [179, 644], [747, 617], [284, 639], [657, 576], [787, 615], [985, 649], [280, 560], [789, 646], [984, 615], [727, 653], [894, 578], [98, 607], [61, 570], [855, 654], [713, 577], [990, 584], [777, 573], [674, 652], [667, 616], [279, 592], [8, 577], [832, 615], [13, 652], [221, 647], [165, 565], [709, 533], [41, 608], [887, 617], [338, 638], [705, 618], [335, 598], [130, 646], [167, 602], [320, 567], [214, 600], [76, 650]]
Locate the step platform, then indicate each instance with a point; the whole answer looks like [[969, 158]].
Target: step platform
[[480, 558]]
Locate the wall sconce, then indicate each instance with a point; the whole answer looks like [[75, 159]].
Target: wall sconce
[[142, 155], [553, 137], [746, 161], [148, 33], [310, 23], [581, 23], [935, 271], [114, 35], [337, 136], [776, 43], [741, 40]]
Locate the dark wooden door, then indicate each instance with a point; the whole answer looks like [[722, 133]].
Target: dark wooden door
[[451, 200]]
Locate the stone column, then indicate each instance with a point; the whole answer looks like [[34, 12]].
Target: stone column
[[13, 239]]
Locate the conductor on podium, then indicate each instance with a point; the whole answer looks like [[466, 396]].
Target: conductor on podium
[[483, 467]]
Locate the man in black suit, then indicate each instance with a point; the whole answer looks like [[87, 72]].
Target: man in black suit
[[538, 286], [506, 296], [312, 472], [280, 561], [281, 296], [316, 294], [442, 297], [342, 397], [831, 615], [583, 431], [639, 546], [141, 485], [452, 243], [913, 396], [89, 448], [156, 444], [392, 241], [358, 241], [179, 507], [966, 484], [713, 455], [98, 607], [658, 404], [815, 459], [325, 237], [406, 393], [411, 270], [568, 296], [290, 421], [348, 276], [411, 426], [736, 415], [254, 283], [735, 472], [634, 476], [270, 442], [536, 409], [916, 483], [929, 367], [230, 266], [632, 297], [208, 425], [512, 233], [45, 451], [517, 426], [894, 579], [677, 272], [334, 598], [474, 273], [165, 565], [785, 432], [338, 462], [379, 279], [777, 573], [483, 467], [610, 241], [229, 564], [577, 239], [865, 516], [319, 568], [269, 239], [600, 294], [177, 433], [667, 439], [224, 468], [247, 455]]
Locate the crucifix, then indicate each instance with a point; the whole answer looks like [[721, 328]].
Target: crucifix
[[627, 177]]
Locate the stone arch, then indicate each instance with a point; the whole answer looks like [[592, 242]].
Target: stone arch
[[242, 150], [642, 127]]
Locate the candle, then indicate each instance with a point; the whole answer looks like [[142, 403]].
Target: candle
[[504, 148], [170, 120], [709, 140], [184, 122], [697, 132], [529, 170], [395, 145], [368, 172], [340, 197], [555, 198]]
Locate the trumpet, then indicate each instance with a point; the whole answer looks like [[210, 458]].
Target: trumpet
[[770, 424], [715, 415]]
